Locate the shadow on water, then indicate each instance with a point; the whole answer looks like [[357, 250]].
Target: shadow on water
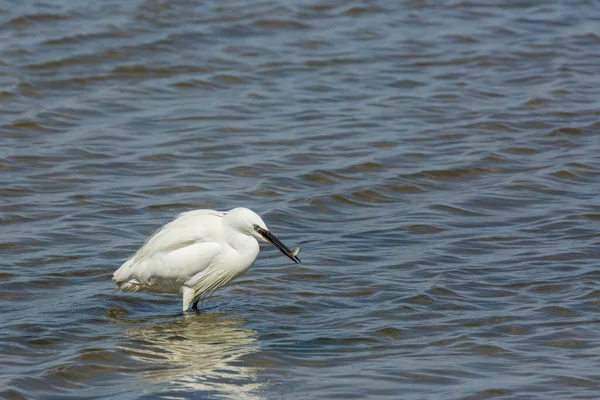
[[195, 352]]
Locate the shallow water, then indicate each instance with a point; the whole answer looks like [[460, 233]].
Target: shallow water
[[437, 162]]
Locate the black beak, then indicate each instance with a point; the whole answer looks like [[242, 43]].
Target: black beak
[[277, 243]]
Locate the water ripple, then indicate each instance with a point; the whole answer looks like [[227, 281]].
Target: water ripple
[[437, 164]]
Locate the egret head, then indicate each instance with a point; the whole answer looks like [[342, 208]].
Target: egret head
[[249, 223]]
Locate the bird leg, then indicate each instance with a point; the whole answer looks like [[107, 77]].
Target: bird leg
[[195, 305]]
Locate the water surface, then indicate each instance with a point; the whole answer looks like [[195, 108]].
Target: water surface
[[437, 162]]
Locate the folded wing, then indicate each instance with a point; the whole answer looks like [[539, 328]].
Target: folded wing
[[177, 251]]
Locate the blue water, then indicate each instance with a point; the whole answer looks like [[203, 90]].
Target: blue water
[[436, 161]]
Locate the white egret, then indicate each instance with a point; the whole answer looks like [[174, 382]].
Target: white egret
[[197, 253]]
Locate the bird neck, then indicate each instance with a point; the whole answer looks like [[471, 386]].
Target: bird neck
[[240, 242], [245, 250]]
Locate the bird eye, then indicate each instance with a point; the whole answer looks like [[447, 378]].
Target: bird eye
[[256, 227]]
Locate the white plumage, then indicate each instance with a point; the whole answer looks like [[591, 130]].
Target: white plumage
[[197, 253]]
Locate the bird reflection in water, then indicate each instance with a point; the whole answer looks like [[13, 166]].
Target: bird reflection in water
[[196, 353]]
